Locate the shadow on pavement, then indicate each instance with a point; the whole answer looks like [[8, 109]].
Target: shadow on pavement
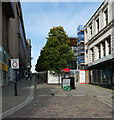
[[9, 100]]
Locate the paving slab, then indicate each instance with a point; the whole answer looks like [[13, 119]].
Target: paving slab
[[64, 107], [53, 102], [101, 93], [23, 91]]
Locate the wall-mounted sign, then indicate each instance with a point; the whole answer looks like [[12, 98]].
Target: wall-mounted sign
[[15, 63], [3, 67]]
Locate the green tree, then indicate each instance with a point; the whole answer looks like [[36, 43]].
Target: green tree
[[56, 53]]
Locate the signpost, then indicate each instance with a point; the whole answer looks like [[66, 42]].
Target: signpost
[[15, 66]]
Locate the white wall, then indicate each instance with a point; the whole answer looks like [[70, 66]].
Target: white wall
[[53, 78]]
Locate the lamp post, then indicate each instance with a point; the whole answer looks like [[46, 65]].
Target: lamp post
[[77, 63]]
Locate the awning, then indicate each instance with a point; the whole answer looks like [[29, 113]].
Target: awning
[[66, 70]]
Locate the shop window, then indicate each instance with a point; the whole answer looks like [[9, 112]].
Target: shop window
[[0, 53], [4, 78], [9, 63], [4, 56]]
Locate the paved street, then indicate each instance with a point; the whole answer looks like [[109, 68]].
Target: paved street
[[86, 101], [23, 91]]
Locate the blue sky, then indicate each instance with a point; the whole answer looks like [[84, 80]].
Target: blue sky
[[40, 17]]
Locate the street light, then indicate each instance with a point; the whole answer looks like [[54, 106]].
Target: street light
[[77, 63]]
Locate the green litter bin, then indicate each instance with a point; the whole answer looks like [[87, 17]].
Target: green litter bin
[[67, 88], [66, 84]]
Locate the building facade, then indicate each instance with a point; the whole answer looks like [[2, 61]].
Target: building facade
[[12, 41], [80, 35], [28, 55], [6, 13], [99, 45], [73, 45], [21, 40]]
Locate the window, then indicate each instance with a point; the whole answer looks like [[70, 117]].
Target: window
[[86, 55], [97, 22], [0, 53], [4, 56], [92, 54], [86, 31], [106, 16], [109, 44], [104, 51], [99, 51], [91, 30]]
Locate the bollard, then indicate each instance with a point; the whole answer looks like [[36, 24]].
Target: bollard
[[15, 87]]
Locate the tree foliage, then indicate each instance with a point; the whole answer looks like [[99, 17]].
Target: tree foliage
[[56, 54]]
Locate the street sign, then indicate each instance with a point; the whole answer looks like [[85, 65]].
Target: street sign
[[15, 63]]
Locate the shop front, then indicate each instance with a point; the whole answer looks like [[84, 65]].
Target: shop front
[[3, 74], [102, 74]]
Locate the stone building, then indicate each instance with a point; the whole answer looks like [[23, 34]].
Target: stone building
[[28, 55], [12, 41], [99, 46]]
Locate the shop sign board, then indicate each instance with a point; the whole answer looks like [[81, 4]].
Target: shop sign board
[[82, 77], [3, 67], [15, 63], [66, 82]]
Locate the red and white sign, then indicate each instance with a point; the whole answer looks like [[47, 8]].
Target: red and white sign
[[82, 76], [15, 63]]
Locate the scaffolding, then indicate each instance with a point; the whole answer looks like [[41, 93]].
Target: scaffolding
[[80, 34]]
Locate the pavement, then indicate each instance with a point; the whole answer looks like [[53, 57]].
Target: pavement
[[101, 93], [50, 101], [10, 102]]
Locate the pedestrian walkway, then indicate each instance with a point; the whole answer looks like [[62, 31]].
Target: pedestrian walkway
[[23, 91], [53, 102], [100, 93]]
